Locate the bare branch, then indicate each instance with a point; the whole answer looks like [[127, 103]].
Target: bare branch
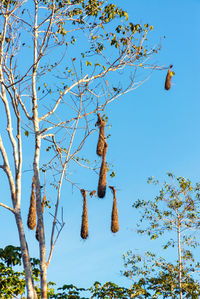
[[7, 207], [7, 169]]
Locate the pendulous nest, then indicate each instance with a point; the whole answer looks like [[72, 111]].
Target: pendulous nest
[[31, 221], [84, 224], [102, 175], [114, 217], [168, 78], [100, 145]]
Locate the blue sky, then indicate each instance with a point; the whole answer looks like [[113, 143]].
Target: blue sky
[[153, 131]]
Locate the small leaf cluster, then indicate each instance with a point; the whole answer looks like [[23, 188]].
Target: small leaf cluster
[[111, 11]]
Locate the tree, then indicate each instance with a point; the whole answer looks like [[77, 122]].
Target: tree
[[107, 290], [176, 210], [12, 281], [51, 91]]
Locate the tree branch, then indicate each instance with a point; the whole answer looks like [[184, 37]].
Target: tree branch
[[7, 207]]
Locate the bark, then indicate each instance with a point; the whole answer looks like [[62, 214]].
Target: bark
[[43, 268], [36, 163], [15, 185], [37, 228], [31, 293], [180, 262]]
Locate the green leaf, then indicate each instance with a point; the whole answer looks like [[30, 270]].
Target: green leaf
[[88, 63], [112, 175]]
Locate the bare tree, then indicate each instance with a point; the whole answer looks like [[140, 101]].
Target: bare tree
[[61, 63]]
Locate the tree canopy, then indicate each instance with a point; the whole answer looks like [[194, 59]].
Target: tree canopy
[[61, 64]]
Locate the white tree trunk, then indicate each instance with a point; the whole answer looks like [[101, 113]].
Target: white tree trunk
[[36, 164], [180, 262], [43, 267], [31, 293]]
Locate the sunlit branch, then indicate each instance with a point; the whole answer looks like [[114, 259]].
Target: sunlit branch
[[7, 207], [7, 169]]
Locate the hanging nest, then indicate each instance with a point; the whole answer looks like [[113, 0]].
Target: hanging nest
[[37, 228], [84, 224], [168, 78], [100, 145], [102, 174], [114, 217], [31, 221]]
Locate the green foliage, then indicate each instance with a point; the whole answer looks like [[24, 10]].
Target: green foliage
[[109, 290], [68, 291], [88, 63], [157, 277], [112, 175], [10, 255], [26, 133], [176, 209], [94, 16], [12, 283], [177, 203]]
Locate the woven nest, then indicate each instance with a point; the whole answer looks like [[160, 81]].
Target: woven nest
[[100, 145], [31, 221], [114, 217], [84, 224], [168, 78], [102, 175]]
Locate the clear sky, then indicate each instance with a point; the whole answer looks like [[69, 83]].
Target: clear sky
[[153, 131]]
